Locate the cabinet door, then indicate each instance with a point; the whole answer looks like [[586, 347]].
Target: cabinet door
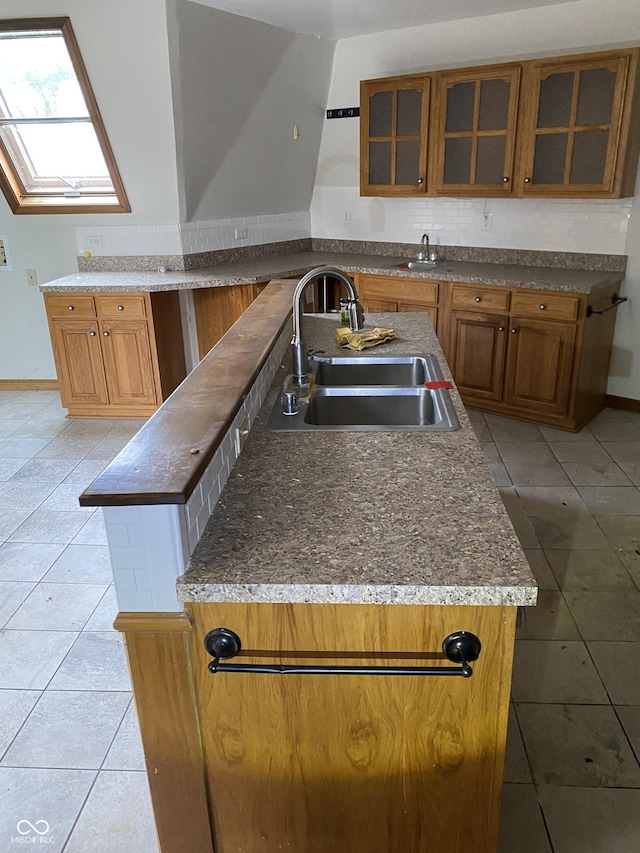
[[477, 350], [475, 135], [572, 131], [128, 363], [539, 366], [393, 136], [378, 306], [431, 310], [76, 348]]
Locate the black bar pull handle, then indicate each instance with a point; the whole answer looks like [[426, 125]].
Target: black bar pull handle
[[615, 301], [460, 647]]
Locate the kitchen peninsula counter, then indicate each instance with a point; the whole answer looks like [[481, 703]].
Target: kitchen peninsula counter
[[361, 517]]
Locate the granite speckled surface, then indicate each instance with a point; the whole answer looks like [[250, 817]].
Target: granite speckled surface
[[269, 267], [353, 517]]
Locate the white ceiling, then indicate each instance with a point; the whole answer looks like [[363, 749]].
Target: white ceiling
[[338, 19]]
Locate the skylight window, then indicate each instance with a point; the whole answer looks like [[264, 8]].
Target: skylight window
[[54, 153]]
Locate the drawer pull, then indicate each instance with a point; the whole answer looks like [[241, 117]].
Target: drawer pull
[[501, 328], [505, 180], [419, 180], [120, 307], [527, 180], [106, 334], [478, 299], [70, 307], [513, 331], [542, 307], [460, 647], [92, 334]]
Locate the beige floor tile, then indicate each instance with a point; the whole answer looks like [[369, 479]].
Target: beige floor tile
[[58, 607], [516, 766], [632, 471], [28, 659], [533, 452], [629, 716], [500, 475], [623, 451], [96, 662], [615, 431], [611, 500], [596, 474], [23, 561], [552, 435], [549, 500], [37, 795], [44, 470], [108, 448], [592, 820], [117, 816], [521, 523], [619, 668], [534, 474], [80, 564], [12, 596], [541, 569], [126, 751], [522, 828], [65, 498], [21, 447], [9, 427], [104, 615], [48, 526], [89, 427], [555, 671], [93, 532], [130, 426], [10, 467], [86, 472], [607, 615], [505, 429], [24, 495], [568, 530], [68, 448], [576, 451], [550, 619], [11, 520], [483, 434], [629, 559], [68, 729], [580, 745], [588, 570], [490, 452], [42, 428], [15, 707], [622, 532]]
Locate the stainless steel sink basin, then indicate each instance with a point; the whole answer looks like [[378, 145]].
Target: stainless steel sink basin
[[372, 370], [372, 401]]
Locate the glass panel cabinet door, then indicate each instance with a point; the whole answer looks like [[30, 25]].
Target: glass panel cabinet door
[[475, 137], [394, 117], [572, 130]]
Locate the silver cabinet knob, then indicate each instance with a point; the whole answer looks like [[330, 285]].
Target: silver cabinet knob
[[501, 328], [505, 180], [120, 307], [69, 307], [527, 180], [513, 331], [542, 307], [419, 180], [106, 334], [478, 299], [92, 334]]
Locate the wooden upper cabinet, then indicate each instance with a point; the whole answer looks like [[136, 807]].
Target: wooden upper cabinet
[[563, 128], [576, 133], [394, 120], [475, 131]]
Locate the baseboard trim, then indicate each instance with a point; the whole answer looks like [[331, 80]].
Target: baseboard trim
[[622, 403], [29, 385]]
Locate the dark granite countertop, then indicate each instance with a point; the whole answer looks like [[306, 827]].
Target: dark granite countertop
[[297, 263], [361, 517]]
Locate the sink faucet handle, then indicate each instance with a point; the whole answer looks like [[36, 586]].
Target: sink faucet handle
[[356, 315], [289, 403]]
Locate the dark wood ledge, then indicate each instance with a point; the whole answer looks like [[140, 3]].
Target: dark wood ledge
[[164, 461]]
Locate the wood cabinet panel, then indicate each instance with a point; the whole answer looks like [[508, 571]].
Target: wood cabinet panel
[[78, 357], [121, 306], [69, 306], [477, 354], [539, 366], [360, 764], [550, 305], [472, 297], [128, 363], [218, 308], [399, 289]]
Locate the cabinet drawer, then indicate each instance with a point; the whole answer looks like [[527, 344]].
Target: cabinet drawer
[[121, 306], [470, 297], [70, 306], [544, 304], [400, 290]]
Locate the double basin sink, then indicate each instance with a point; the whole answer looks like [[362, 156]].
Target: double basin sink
[[371, 392]]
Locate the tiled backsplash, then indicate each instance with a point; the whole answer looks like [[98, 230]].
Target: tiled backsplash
[[561, 225], [150, 545]]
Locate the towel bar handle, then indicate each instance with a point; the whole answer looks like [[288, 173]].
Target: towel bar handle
[[615, 301], [460, 647]]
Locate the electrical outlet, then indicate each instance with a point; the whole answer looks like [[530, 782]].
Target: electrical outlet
[[347, 215], [488, 220], [92, 242], [32, 278], [242, 233], [242, 431]]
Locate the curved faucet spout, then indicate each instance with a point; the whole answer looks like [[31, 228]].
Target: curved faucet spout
[[298, 349]]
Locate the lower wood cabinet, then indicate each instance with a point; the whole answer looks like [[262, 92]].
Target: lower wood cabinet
[[116, 354], [380, 294]]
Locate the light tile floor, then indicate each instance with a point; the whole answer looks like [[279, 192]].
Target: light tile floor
[[70, 751]]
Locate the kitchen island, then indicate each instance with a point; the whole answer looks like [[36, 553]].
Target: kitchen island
[[323, 549]]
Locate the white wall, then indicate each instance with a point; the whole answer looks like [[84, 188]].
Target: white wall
[[338, 212], [124, 47], [239, 88]]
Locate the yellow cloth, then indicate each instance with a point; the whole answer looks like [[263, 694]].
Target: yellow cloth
[[363, 340]]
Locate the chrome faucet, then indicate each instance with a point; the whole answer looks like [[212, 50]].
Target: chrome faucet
[[423, 254], [300, 364]]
